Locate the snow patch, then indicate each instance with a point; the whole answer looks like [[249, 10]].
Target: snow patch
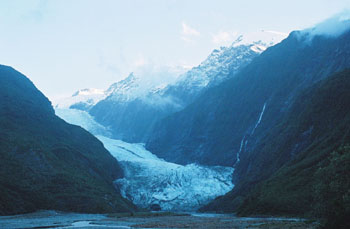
[[89, 97], [89, 91], [258, 48]]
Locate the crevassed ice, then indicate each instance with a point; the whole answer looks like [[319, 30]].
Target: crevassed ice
[[150, 180]]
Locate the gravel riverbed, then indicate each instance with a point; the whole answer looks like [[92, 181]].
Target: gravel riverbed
[[53, 219]]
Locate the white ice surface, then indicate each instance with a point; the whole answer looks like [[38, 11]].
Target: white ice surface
[[150, 180], [83, 119]]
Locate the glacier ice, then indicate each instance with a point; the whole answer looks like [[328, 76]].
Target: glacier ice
[[83, 119], [150, 180]]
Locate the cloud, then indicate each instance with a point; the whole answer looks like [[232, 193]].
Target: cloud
[[275, 32], [37, 13], [188, 33], [161, 101], [153, 74], [186, 39], [224, 37], [332, 27], [187, 30], [140, 61]]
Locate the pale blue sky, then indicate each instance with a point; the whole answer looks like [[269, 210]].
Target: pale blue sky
[[66, 45]]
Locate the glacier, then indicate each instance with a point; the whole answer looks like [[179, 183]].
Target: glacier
[[149, 180], [83, 119]]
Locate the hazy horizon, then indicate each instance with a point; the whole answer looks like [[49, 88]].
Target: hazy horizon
[[41, 39]]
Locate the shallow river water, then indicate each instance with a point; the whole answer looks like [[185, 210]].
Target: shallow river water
[[53, 219]]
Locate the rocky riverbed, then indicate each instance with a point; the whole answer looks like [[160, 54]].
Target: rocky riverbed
[[53, 219]]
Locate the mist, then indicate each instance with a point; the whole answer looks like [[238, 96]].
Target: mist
[[331, 27]]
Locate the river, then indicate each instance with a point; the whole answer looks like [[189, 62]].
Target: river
[[54, 219]]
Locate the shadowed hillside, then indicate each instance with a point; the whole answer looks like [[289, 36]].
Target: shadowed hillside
[[46, 163]]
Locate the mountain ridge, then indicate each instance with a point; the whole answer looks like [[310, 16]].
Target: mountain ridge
[[314, 181], [132, 110], [243, 97], [47, 163]]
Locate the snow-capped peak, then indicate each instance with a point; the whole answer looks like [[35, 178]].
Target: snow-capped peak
[[89, 91], [142, 84], [128, 89], [136, 85], [83, 99], [221, 63], [265, 38], [226, 61], [124, 86]]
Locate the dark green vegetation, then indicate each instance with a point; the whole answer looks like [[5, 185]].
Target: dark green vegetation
[[306, 117], [46, 163], [316, 181], [210, 130]]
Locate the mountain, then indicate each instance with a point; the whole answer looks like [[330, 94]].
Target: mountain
[[147, 80], [315, 181], [150, 182], [231, 119], [82, 100], [132, 108], [47, 163], [220, 65]]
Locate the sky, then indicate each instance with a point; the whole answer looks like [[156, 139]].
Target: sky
[[66, 45]]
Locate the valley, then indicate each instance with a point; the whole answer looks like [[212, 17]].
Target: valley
[[52, 219], [254, 135], [149, 180]]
